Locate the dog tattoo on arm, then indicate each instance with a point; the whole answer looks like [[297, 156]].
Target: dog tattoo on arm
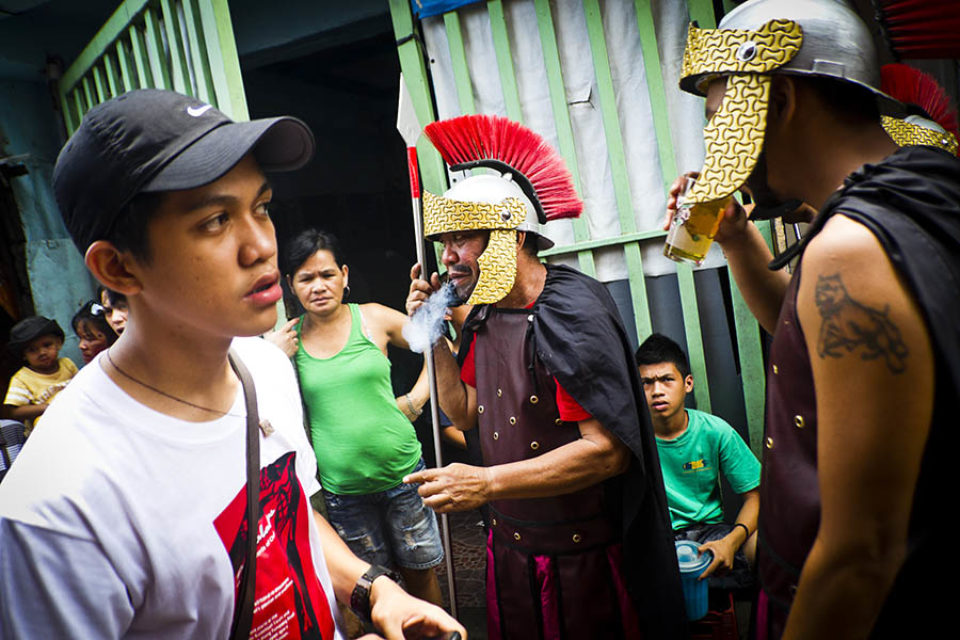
[[849, 326]]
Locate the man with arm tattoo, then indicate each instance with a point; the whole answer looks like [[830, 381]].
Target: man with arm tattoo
[[864, 370]]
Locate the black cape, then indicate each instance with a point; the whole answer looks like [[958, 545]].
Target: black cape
[[579, 337], [911, 202]]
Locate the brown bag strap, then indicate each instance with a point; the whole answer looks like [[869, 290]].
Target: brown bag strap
[[243, 610]]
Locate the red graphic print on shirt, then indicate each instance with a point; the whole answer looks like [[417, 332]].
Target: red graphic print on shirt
[[290, 601]]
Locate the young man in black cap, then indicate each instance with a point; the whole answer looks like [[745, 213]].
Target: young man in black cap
[[142, 529]]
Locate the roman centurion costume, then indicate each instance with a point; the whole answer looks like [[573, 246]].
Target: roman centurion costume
[[599, 562], [911, 202]]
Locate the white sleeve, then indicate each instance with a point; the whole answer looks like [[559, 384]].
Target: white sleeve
[[57, 586]]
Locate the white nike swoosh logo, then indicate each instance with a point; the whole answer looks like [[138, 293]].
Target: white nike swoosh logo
[[196, 112]]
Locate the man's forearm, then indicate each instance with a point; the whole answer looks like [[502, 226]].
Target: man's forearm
[[345, 568], [840, 594], [747, 257], [749, 512], [574, 466], [453, 394]]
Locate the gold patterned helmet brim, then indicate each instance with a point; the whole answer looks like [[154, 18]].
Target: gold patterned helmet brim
[[446, 215], [498, 262], [907, 133], [733, 139], [716, 52]]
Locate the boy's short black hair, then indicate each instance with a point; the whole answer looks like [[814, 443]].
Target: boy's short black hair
[[129, 232], [28, 330], [113, 297], [659, 348]]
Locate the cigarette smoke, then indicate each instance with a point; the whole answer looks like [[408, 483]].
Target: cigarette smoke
[[426, 325]]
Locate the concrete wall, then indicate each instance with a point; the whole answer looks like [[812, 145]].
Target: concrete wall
[[59, 281]]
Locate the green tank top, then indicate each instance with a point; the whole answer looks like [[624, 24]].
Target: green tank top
[[363, 442]]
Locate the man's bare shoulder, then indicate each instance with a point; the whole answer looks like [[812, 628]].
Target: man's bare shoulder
[[853, 303]]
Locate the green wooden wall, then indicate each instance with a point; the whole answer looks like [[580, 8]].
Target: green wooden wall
[[412, 56]]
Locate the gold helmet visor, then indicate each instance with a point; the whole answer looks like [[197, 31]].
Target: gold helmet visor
[[733, 138], [498, 262]]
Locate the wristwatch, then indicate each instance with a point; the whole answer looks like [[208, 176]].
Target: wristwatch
[[360, 598]]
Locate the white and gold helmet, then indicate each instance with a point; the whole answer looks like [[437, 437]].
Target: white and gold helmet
[[528, 184], [760, 38]]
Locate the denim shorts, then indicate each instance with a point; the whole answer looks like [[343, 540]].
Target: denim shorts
[[392, 528]]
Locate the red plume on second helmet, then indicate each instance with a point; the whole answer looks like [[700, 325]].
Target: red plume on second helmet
[[495, 141], [921, 91]]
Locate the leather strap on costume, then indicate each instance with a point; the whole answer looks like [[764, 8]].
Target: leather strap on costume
[[243, 608]]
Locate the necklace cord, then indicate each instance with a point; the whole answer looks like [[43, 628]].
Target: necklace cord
[[160, 391]]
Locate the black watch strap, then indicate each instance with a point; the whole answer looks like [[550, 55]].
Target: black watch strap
[[360, 598]]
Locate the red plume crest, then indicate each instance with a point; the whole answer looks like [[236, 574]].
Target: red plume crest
[[484, 137], [915, 87]]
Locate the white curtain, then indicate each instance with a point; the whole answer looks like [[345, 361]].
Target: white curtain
[[646, 180]]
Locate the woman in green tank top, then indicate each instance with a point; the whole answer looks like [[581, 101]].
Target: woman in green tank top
[[361, 434]]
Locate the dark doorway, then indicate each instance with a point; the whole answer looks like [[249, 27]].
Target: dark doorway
[[357, 186]]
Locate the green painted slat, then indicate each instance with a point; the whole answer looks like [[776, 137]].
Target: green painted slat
[[638, 290], [752, 375], [141, 59], [79, 101], [223, 58], [110, 70], [561, 120], [198, 52], [175, 51], [155, 53], [501, 45], [68, 105], [127, 72], [433, 172], [691, 329], [87, 94], [100, 85], [701, 11], [458, 59], [615, 241], [766, 232], [655, 87], [115, 25], [618, 163]]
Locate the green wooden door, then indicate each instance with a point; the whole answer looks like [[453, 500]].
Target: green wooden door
[[183, 45]]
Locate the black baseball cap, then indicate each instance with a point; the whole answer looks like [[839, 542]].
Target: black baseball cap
[[153, 140]]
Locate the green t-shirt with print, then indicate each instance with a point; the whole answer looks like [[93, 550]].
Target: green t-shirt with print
[[691, 465]]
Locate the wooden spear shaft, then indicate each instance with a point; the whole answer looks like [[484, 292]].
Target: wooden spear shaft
[[409, 127]]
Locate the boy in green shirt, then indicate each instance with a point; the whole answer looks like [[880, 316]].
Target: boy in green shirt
[[695, 447]]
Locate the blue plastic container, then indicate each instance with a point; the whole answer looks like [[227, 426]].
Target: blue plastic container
[[692, 563]]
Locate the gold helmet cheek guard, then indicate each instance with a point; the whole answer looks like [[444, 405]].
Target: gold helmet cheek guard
[[498, 262], [733, 138]]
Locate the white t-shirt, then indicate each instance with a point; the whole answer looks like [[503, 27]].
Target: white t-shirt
[[121, 522]]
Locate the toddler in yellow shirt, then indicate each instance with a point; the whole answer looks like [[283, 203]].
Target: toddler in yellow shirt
[[37, 340]]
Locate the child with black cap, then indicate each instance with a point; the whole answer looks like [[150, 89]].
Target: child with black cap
[[37, 341], [181, 461]]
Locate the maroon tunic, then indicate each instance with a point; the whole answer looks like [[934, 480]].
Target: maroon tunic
[[553, 563], [789, 490]]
